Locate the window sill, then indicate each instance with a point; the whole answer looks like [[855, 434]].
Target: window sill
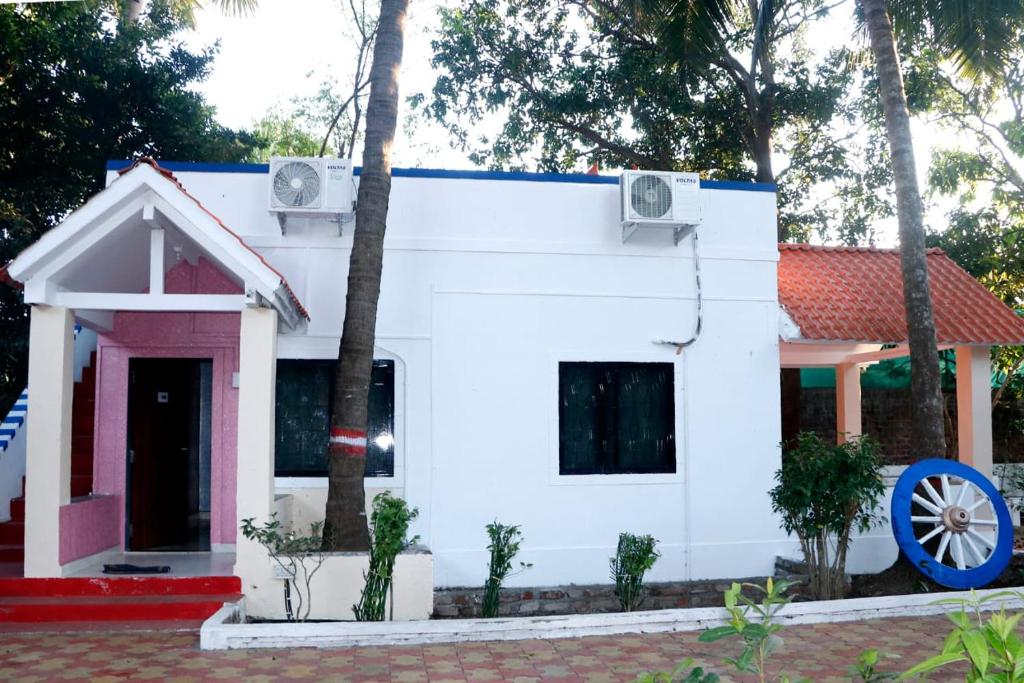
[[675, 478], [321, 482]]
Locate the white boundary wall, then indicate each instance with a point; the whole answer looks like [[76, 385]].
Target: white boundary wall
[[223, 631], [487, 285]]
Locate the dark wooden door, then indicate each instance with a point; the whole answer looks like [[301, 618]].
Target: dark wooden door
[[163, 420]]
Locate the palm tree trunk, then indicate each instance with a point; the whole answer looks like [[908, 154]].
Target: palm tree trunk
[[345, 524], [925, 387]]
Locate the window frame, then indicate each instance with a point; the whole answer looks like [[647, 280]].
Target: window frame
[[555, 476], [392, 482]]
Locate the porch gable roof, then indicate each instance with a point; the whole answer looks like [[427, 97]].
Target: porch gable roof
[[855, 294], [146, 189]]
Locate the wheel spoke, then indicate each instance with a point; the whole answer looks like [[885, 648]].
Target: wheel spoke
[[975, 551], [958, 552], [943, 544], [984, 522], [947, 495], [978, 503], [931, 534], [932, 520], [932, 493], [989, 542], [928, 505], [964, 487]]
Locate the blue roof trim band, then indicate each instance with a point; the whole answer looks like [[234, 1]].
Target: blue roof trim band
[[201, 167]]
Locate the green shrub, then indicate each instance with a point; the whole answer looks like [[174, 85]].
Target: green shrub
[[634, 557], [990, 647], [824, 493], [504, 546], [389, 524], [760, 635], [684, 672], [752, 623], [300, 557]]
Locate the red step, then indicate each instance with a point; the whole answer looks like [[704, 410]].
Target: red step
[[112, 608], [172, 601], [121, 586], [12, 533], [82, 426], [81, 464], [101, 626], [81, 485], [12, 553], [18, 509], [81, 444]]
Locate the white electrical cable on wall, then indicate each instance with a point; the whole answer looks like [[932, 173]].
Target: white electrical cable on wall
[[680, 345]]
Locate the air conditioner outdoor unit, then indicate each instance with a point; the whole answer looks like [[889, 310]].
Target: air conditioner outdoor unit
[[310, 186], [660, 199]]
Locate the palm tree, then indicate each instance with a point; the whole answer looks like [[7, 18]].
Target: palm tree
[[345, 523], [130, 11], [975, 35]]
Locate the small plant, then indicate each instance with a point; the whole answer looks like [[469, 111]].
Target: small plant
[[990, 647], [760, 636], [504, 546], [865, 668], [300, 557], [825, 492], [684, 672], [389, 524], [634, 557]]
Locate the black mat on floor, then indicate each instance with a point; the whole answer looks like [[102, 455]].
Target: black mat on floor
[[135, 569]]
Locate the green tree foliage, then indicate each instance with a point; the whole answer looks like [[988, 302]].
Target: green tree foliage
[[280, 135], [527, 83], [983, 175], [77, 91]]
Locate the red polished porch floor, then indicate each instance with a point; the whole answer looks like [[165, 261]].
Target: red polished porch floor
[[821, 652]]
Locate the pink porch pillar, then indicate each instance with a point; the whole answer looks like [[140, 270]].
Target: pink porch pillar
[[847, 401], [973, 407], [48, 455]]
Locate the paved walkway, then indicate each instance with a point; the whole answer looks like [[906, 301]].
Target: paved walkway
[[820, 652]]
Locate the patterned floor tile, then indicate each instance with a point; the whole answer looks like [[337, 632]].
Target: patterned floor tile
[[821, 652]]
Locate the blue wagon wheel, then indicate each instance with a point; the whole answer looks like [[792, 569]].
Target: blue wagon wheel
[[952, 524]]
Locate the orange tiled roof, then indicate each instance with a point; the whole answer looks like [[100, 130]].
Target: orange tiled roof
[[856, 294]]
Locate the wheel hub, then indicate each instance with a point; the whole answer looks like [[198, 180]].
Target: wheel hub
[[956, 519]]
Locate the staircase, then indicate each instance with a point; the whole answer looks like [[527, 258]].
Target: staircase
[[102, 603], [83, 429]]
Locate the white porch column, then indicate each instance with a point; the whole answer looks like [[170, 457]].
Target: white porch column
[[973, 407], [48, 456], [847, 401], [257, 365]]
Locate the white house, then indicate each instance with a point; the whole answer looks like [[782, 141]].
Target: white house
[[521, 374]]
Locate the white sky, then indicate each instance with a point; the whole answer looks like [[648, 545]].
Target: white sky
[[265, 60]]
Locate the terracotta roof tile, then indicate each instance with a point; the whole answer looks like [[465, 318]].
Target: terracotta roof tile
[[856, 294], [170, 176]]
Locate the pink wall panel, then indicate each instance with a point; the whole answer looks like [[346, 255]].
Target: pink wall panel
[[88, 527], [172, 335]]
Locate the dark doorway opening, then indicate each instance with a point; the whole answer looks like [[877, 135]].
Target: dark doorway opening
[[169, 420]]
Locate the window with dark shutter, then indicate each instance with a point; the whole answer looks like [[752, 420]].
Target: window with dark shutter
[[303, 413], [616, 418]]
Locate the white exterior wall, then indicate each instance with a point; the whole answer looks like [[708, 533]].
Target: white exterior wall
[[487, 285]]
